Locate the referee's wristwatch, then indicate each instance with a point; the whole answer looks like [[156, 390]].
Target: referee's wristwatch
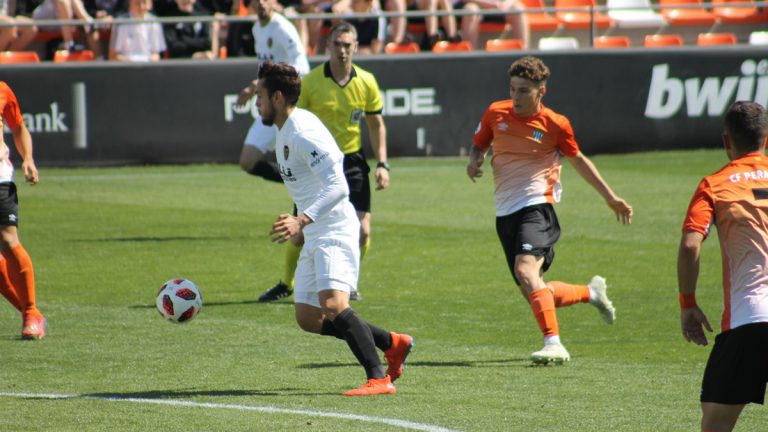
[[383, 165]]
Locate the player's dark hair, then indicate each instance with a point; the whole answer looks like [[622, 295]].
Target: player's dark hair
[[342, 27], [746, 123], [283, 78], [530, 68]]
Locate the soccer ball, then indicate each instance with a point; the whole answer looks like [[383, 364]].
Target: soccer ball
[[179, 300]]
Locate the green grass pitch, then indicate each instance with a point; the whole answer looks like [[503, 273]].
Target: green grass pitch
[[104, 240]]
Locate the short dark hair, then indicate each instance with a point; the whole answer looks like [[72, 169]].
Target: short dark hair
[[281, 77], [530, 68], [746, 123], [343, 27]]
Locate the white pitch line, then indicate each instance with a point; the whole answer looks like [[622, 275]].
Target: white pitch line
[[405, 424]]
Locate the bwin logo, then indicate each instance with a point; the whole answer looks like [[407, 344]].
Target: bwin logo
[[667, 94]]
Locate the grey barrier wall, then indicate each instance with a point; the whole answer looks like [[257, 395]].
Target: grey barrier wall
[[183, 111]]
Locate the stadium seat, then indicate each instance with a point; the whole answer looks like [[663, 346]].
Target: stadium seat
[[445, 46], [540, 21], [634, 14], [407, 48], [503, 44], [758, 38], [663, 40], [686, 16], [578, 19], [708, 39], [558, 43], [738, 15], [611, 42], [62, 56], [19, 57]]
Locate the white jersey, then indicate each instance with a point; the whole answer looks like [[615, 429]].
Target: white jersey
[[312, 167], [279, 42]]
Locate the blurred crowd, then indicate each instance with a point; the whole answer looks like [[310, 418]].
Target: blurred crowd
[[109, 36]]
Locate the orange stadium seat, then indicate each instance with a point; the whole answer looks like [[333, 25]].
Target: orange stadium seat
[[62, 56], [686, 16], [406, 48], [540, 21], [445, 46], [580, 20], [662, 40], [708, 39], [611, 42], [738, 15], [19, 57], [503, 44]]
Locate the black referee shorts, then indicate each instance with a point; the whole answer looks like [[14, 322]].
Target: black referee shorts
[[737, 369], [356, 170], [9, 204], [533, 230]]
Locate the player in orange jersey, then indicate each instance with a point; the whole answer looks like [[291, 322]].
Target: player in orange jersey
[[528, 140], [735, 199], [17, 277]]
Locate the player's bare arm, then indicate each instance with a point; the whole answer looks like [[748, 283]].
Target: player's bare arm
[[288, 226], [23, 141], [693, 321], [476, 159], [589, 173], [246, 94], [377, 132]]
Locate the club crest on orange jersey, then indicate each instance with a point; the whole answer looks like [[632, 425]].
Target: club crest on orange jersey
[[538, 135]]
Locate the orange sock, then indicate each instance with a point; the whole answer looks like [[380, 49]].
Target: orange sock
[[6, 287], [567, 294], [543, 306], [22, 276]]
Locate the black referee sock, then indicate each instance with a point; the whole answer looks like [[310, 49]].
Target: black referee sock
[[381, 338], [360, 340], [268, 170]]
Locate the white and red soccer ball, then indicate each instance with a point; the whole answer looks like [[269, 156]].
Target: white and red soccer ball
[[179, 300]]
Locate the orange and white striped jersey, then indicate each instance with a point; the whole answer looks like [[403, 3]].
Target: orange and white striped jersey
[[735, 199], [10, 114], [526, 154]]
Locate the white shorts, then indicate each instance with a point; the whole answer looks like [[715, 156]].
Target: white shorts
[[326, 264], [261, 136]]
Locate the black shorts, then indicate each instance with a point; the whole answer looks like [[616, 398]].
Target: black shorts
[[737, 369], [356, 170], [533, 230], [9, 204]]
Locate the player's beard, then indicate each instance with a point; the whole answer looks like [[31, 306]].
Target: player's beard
[[268, 117]]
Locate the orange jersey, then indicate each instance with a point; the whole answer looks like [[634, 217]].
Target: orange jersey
[[526, 154], [735, 199], [11, 116]]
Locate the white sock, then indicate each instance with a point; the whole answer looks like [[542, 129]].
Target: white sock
[[552, 340]]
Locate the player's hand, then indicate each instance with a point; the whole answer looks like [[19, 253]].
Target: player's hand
[[245, 95], [285, 227], [473, 169], [622, 209], [30, 172], [693, 322], [382, 178]]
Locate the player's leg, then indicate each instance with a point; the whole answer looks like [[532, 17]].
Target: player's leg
[[719, 417], [593, 293], [7, 289], [284, 286], [356, 171], [365, 232]]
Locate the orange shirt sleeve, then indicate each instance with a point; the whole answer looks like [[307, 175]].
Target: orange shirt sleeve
[[11, 111], [484, 132], [566, 141], [701, 211]]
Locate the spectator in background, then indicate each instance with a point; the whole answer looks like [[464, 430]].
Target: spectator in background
[[138, 42], [431, 22], [14, 38], [197, 40], [516, 23], [240, 33], [65, 10], [371, 32], [103, 11]]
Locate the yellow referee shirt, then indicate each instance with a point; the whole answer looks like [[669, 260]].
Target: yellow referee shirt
[[341, 108]]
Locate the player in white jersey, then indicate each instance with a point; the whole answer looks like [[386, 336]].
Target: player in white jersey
[[311, 165], [277, 40]]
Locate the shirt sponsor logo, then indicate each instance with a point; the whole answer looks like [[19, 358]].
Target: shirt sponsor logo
[[707, 96], [503, 127], [318, 158]]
